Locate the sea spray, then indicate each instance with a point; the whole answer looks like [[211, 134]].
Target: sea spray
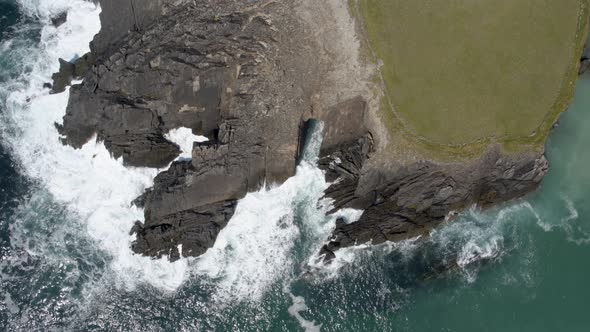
[[362, 295], [96, 189], [185, 138], [255, 249]]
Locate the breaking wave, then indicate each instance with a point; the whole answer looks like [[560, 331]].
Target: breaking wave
[[185, 138], [96, 189], [256, 248], [84, 194], [77, 215]]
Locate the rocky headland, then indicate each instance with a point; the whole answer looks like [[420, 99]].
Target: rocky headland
[[248, 75]]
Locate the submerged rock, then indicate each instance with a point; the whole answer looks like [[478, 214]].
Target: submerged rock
[[59, 19], [584, 66], [585, 60], [222, 69]]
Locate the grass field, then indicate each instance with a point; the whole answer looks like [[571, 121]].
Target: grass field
[[460, 74]]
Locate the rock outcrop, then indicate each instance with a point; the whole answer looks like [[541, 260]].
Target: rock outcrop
[[69, 71], [222, 69], [401, 201], [59, 19], [408, 201], [63, 77], [248, 74], [172, 218]]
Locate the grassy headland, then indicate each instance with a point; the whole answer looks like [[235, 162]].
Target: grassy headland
[[461, 74]]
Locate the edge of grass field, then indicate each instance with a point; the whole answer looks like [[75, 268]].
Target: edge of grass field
[[405, 145]]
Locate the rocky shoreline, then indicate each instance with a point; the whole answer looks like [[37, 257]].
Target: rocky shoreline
[[248, 75]]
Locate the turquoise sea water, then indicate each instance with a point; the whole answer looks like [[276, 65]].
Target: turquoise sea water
[[65, 265]]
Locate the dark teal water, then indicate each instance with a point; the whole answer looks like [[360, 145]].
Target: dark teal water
[[64, 265]]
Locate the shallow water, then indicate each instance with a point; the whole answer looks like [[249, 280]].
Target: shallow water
[[65, 215]]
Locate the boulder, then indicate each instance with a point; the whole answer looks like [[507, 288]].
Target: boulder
[[59, 19]]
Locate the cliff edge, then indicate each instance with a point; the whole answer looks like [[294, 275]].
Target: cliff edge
[[247, 75]]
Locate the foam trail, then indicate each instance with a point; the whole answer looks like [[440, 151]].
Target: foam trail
[[568, 223], [295, 309], [480, 236], [576, 233], [477, 236], [571, 208], [474, 251], [348, 256], [96, 188]]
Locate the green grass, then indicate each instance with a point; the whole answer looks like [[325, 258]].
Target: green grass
[[461, 74]]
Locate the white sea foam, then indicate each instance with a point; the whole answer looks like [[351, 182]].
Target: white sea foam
[[255, 249], [351, 256], [576, 233], [251, 253], [481, 235], [571, 208], [96, 188], [295, 310], [477, 236], [474, 251], [44, 10], [185, 138], [349, 215], [565, 221]]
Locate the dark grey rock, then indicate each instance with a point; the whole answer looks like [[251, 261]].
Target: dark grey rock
[[83, 65], [344, 123], [173, 218], [194, 229], [247, 74], [404, 202], [120, 17], [69, 71], [64, 77], [219, 68], [59, 19]]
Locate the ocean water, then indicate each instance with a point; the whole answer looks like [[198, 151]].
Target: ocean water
[[65, 262]]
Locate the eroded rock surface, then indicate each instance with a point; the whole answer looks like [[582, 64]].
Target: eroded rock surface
[[69, 71], [223, 69], [248, 74], [408, 201]]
